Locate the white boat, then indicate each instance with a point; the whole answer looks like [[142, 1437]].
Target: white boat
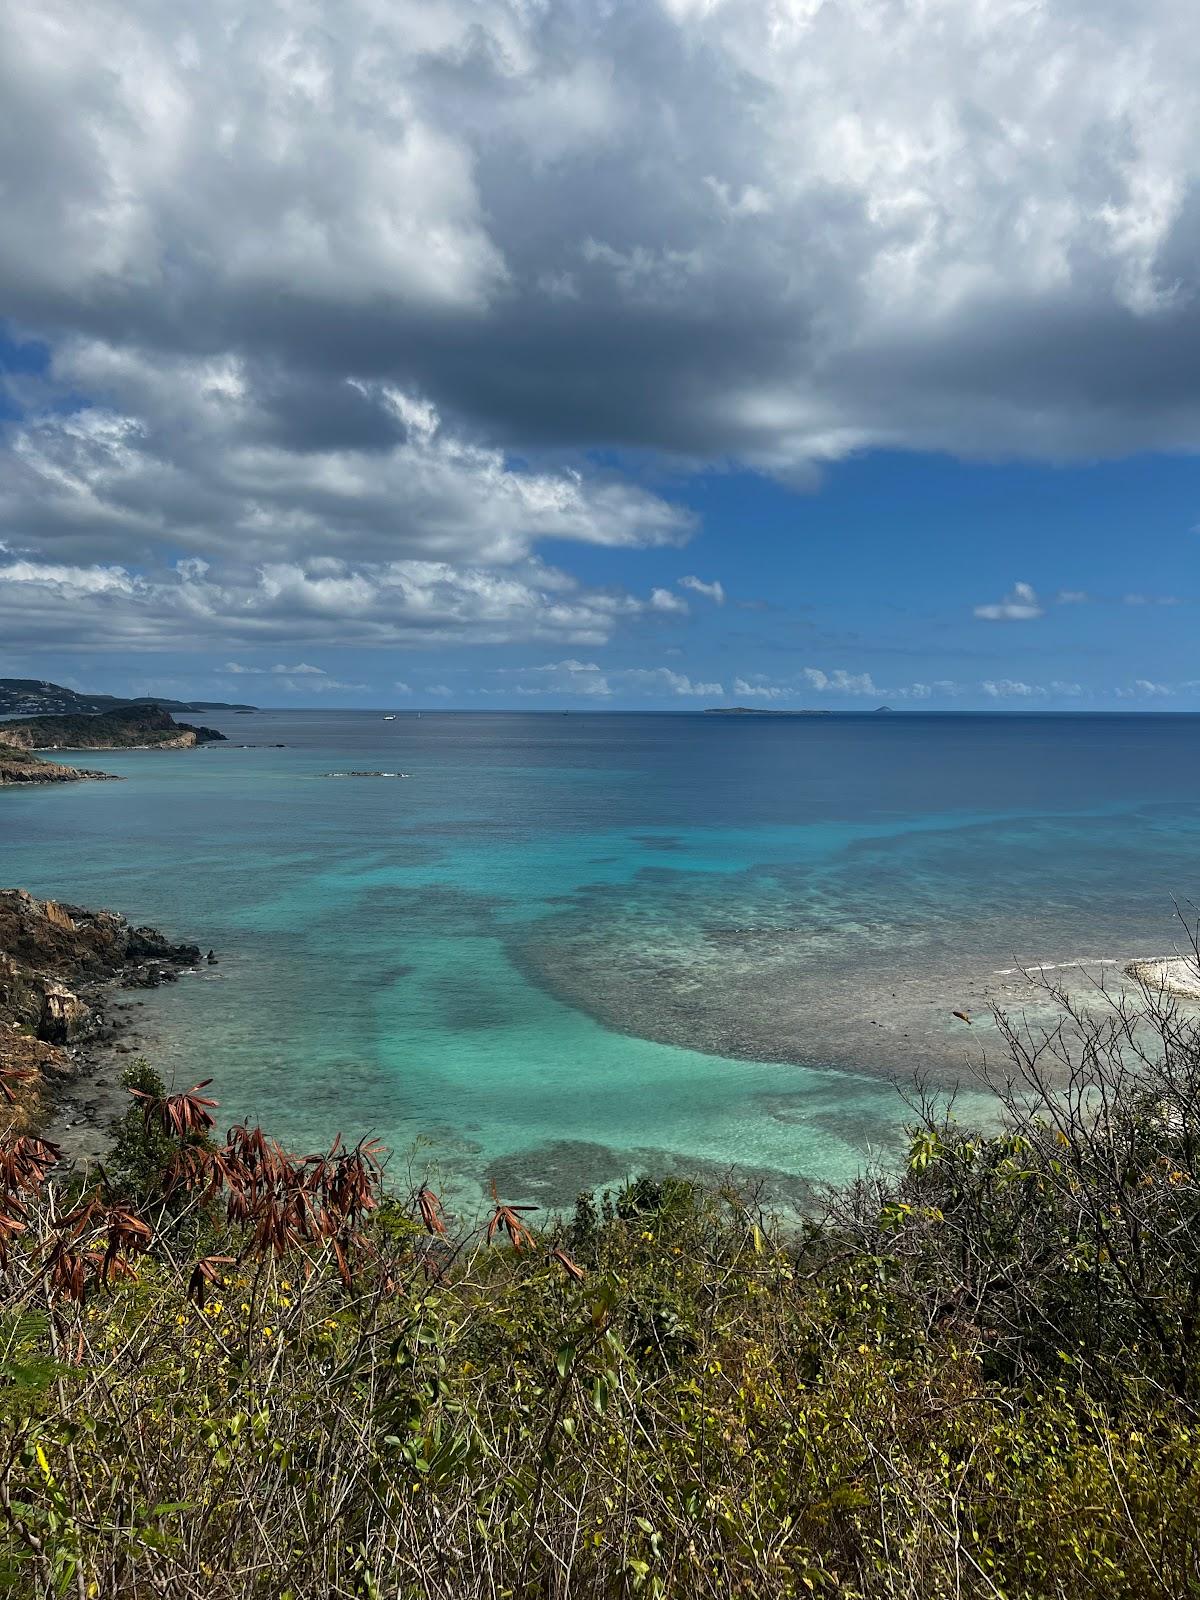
[[391, 717]]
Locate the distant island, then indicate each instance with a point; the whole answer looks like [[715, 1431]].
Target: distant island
[[137, 727], [35, 697], [763, 711]]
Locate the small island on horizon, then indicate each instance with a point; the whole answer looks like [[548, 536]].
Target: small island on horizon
[[765, 711]]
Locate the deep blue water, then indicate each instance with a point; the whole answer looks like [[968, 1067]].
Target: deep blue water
[[564, 948]]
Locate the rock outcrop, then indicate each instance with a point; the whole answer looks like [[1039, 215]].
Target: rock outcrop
[[23, 767], [128, 728], [56, 964], [1178, 975]]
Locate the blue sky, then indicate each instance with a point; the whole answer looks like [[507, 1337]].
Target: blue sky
[[695, 353]]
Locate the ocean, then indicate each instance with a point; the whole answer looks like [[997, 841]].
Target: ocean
[[564, 949]]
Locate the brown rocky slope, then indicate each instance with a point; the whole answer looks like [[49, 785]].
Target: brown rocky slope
[[22, 766], [57, 963]]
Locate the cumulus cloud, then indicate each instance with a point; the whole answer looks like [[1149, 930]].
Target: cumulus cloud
[[863, 235], [842, 682], [662, 680], [714, 590], [322, 601], [241, 460], [322, 685], [759, 689], [1012, 689], [1020, 604], [587, 679], [335, 283], [1146, 688], [302, 669], [569, 677], [274, 497]]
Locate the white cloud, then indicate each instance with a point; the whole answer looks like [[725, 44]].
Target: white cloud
[[1011, 689], [1020, 604], [324, 601], [568, 677], [714, 590], [1073, 597], [842, 682], [864, 235], [664, 600], [300, 325], [235, 668], [323, 685], [663, 681], [198, 444], [758, 689]]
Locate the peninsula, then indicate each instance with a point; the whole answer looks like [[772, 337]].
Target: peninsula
[[126, 728], [37, 697]]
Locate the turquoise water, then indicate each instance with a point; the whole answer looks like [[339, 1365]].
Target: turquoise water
[[565, 949]]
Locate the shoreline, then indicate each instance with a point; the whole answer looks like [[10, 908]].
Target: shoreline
[[79, 1107], [69, 1013]]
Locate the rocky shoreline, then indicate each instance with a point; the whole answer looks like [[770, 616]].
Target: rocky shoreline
[[1175, 975], [64, 1034], [23, 767]]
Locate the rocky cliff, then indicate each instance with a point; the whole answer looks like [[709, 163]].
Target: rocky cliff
[[57, 962], [21, 766], [128, 728]]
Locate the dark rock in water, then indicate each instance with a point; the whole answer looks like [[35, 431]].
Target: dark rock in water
[[211, 958]]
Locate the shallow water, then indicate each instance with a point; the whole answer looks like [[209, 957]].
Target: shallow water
[[567, 948]]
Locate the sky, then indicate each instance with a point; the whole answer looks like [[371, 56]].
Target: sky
[[602, 354]]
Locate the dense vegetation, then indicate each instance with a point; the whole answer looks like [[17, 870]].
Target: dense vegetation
[[132, 727], [228, 1371]]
